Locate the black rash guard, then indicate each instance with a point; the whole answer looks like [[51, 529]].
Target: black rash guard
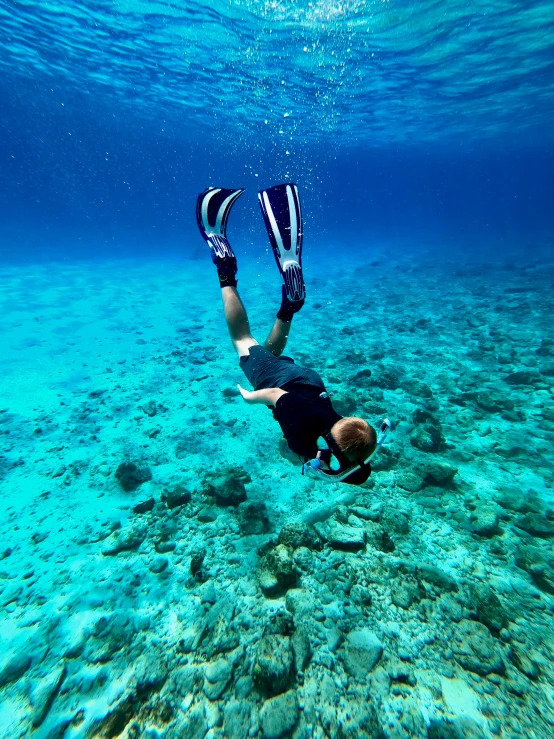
[[304, 417]]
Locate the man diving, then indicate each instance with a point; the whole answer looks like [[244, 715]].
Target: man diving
[[330, 447]]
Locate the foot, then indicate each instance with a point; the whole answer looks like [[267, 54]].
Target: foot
[[288, 307]]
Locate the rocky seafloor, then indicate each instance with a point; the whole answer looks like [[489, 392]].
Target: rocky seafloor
[[164, 572]]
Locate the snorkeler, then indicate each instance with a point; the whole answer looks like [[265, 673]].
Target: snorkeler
[[330, 447]]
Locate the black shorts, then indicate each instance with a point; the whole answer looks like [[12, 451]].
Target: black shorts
[[264, 369]]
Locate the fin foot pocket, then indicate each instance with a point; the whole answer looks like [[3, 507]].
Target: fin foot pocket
[[294, 283], [220, 247]]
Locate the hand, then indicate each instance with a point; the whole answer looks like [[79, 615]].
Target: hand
[[247, 395], [267, 396]]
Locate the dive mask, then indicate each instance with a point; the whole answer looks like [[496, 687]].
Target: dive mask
[[333, 465]]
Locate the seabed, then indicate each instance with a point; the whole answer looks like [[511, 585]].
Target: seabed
[[165, 572]]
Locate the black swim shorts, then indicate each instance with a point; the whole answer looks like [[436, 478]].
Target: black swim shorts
[[263, 369]]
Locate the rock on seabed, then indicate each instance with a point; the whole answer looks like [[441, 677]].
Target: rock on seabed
[[273, 665], [344, 537], [124, 540], [476, 650], [361, 652], [13, 667], [279, 715]]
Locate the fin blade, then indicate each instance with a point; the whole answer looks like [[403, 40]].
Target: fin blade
[[212, 210], [282, 215]]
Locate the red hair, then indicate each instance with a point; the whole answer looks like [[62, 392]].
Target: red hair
[[355, 437]]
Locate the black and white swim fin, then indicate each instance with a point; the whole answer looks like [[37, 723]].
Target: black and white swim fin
[[212, 212], [283, 220]]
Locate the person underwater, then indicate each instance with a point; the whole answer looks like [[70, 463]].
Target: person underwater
[[331, 447]]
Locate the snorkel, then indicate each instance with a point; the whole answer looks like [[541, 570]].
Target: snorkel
[[340, 468]]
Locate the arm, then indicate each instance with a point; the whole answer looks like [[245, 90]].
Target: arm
[[268, 396]]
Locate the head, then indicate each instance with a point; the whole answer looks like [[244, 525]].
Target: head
[[356, 438]]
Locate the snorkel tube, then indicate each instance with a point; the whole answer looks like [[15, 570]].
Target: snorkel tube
[[340, 468]]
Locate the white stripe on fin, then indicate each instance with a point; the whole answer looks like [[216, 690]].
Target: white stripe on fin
[[205, 203], [222, 210], [293, 221], [300, 233], [274, 226]]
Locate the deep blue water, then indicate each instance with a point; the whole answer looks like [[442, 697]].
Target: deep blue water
[[418, 125]]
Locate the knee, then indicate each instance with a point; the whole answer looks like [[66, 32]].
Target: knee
[[271, 347], [243, 345]]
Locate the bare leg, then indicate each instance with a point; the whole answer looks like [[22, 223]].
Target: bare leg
[[237, 321], [277, 339]]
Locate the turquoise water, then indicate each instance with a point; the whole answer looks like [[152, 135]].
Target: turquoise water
[[165, 568]]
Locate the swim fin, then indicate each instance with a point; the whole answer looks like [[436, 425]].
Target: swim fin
[[212, 212], [283, 220]]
